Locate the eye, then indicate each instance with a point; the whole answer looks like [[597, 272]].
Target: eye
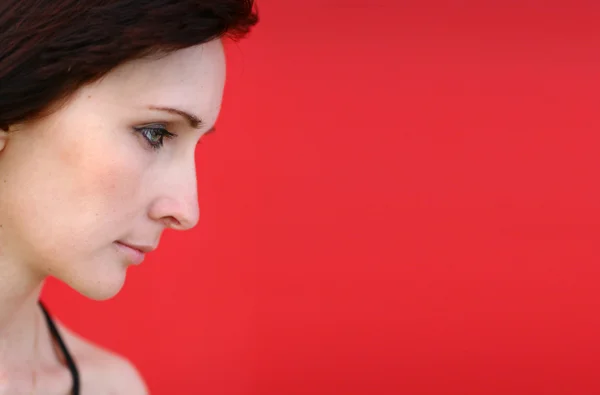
[[154, 135]]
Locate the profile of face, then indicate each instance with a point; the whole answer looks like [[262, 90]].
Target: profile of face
[[112, 167]]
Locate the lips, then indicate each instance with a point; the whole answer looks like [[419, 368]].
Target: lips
[[143, 248], [135, 254]]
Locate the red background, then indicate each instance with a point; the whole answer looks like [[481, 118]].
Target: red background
[[402, 198]]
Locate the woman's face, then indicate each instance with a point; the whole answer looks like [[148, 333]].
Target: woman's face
[[102, 172]]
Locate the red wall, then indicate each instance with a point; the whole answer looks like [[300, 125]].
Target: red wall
[[401, 199]]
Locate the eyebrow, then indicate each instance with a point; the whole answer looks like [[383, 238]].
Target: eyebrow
[[193, 120]]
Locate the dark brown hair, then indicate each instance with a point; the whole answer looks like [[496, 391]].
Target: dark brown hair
[[50, 48]]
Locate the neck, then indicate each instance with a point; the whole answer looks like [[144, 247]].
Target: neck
[[19, 310]]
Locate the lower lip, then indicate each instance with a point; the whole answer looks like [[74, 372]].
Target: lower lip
[[135, 257]]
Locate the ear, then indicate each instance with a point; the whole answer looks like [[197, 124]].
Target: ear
[[3, 138]]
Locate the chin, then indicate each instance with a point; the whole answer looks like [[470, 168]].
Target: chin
[[98, 285], [101, 291]]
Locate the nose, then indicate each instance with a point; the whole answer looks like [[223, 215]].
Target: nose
[[176, 203]]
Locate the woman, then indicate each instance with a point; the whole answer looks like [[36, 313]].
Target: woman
[[102, 103]]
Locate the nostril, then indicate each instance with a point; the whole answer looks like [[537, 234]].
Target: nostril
[[171, 222]]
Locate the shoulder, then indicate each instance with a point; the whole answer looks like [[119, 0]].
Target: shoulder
[[103, 369], [125, 377]]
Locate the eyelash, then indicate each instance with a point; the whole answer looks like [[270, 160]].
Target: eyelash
[[147, 131]]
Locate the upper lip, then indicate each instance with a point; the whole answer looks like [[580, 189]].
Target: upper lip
[[145, 248]]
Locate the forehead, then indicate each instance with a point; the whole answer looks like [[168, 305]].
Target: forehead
[[191, 79]]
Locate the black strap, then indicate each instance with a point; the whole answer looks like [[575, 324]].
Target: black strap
[[68, 358]]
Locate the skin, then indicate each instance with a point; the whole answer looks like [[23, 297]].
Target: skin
[[74, 183]]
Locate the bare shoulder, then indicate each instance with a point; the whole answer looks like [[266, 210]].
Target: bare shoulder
[[101, 370]]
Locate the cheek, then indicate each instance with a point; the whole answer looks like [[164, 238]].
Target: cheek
[[66, 191], [102, 168], [114, 184], [109, 182], [103, 189], [72, 203]]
